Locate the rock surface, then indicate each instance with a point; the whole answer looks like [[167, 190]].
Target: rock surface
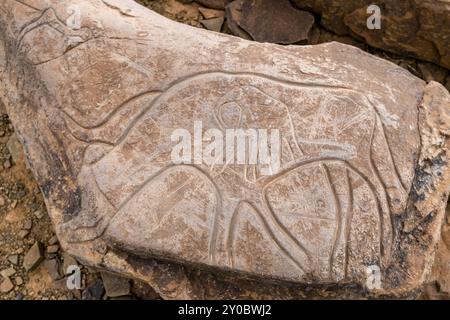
[[419, 28], [213, 4], [274, 21], [363, 144], [6, 285], [214, 24], [115, 286], [33, 257]]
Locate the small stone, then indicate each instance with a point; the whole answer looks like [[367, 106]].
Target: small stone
[[15, 148], [2, 201], [53, 240], [211, 13], [213, 4], [214, 24], [94, 291], [53, 249], [68, 262], [143, 291], [6, 286], [6, 273], [19, 281], [28, 224], [14, 259], [19, 296], [52, 267], [7, 164], [33, 257], [2, 133], [115, 286], [432, 72], [21, 194], [23, 233], [14, 204], [38, 214]]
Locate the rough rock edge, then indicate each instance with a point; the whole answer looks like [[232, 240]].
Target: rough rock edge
[[425, 211], [431, 185]]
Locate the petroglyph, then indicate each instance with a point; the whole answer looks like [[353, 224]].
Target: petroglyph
[[96, 107]]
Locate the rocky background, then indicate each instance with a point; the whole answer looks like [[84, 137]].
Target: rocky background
[[32, 265]]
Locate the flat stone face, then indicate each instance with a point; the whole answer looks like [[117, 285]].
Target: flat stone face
[[274, 21], [361, 144]]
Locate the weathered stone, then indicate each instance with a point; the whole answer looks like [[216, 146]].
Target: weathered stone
[[431, 72], [213, 4], [53, 240], [275, 21], [234, 15], [33, 257], [143, 291], [18, 280], [14, 259], [363, 177], [419, 28], [23, 233], [38, 214], [95, 291], [6, 273], [53, 248], [68, 261], [214, 24], [6, 285], [211, 13], [7, 164], [15, 149], [115, 286], [28, 224], [52, 266]]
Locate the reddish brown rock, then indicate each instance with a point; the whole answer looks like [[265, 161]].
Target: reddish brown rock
[[363, 171], [418, 28], [213, 4], [274, 21]]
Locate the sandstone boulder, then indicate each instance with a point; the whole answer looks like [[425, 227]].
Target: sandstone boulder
[[97, 90]]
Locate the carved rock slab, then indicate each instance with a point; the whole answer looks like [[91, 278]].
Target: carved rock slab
[[95, 90]]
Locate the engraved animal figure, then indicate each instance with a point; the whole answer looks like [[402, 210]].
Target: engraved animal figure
[[297, 223]]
